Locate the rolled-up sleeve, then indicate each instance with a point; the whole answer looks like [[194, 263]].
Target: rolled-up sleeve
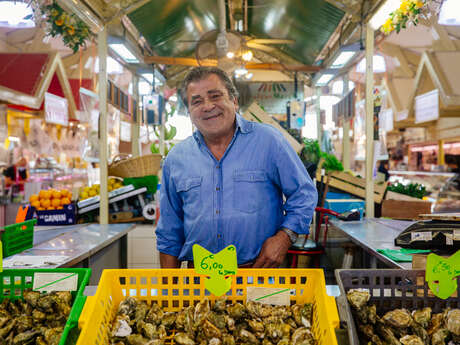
[[297, 186], [170, 228]]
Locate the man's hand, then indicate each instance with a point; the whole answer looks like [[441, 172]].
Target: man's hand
[[273, 251]]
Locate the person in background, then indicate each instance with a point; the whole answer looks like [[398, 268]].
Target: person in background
[[225, 184], [383, 168], [16, 174]]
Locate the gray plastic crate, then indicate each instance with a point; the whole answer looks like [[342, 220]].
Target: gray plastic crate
[[389, 289]]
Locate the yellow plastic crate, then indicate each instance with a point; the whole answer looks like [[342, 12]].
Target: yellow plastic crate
[[175, 289]]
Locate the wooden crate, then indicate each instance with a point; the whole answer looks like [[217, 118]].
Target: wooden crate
[[403, 209], [353, 185], [256, 114]]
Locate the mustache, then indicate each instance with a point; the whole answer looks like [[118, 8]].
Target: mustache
[[212, 114]]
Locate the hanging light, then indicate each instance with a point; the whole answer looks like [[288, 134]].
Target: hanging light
[[248, 76], [230, 55], [240, 71], [247, 55]]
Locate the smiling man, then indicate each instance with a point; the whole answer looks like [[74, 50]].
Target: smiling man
[[225, 184]]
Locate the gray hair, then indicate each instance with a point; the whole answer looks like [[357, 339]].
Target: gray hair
[[200, 73]]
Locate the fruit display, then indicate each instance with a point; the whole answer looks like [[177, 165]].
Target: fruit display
[[50, 199], [220, 323], [95, 189], [401, 326]]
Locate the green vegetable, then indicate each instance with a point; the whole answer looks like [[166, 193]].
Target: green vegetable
[[311, 152], [331, 163], [415, 190]]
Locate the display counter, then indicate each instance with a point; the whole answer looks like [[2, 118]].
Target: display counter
[[92, 246]]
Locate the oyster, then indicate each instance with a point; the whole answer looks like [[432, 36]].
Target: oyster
[[358, 298], [422, 316], [236, 311], [220, 304], [7, 329], [274, 330], [140, 311], [31, 297], [411, 340], [439, 337], [4, 317], [38, 316], [209, 330], [155, 314], [147, 329], [398, 318], [127, 307], [25, 337], [256, 325], [437, 322], [302, 336], [45, 303], [24, 323], [230, 323], [217, 320], [136, 339], [215, 341], [53, 335], [121, 327], [453, 323], [228, 339], [420, 332], [247, 337], [202, 310], [183, 339], [387, 334], [258, 309], [168, 320]]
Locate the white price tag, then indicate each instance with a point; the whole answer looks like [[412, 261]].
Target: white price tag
[[449, 240], [456, 235], [421, 236], [55, 282], [274, 296]]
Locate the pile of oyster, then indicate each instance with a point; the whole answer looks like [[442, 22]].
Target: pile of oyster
[[400, 326], [141, 323], [37, 319]]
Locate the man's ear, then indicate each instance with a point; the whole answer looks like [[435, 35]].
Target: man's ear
[[235, 102]]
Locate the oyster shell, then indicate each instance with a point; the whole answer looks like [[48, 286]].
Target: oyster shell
[[25, 337], [302, 336], [398, 318], [422, 316], [127, 307], [453, 323], [411, 340], [439, 336], [358, 298], [236, 311], [183, 339], [228, 339], [154, 315], [136, 339]]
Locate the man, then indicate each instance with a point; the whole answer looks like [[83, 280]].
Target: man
[[225, 184]]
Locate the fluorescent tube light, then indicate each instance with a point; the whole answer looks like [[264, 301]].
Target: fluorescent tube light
[[324, 79], [450, 13], [149, 78], [383, 13], [343, 58], [124, 52]]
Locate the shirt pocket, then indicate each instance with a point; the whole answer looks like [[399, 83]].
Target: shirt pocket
[[190, 191], [249, 190]]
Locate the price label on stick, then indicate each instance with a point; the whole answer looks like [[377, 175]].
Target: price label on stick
[[441, 274], [217, 267]]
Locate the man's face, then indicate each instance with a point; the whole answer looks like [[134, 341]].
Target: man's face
[[211, 108]]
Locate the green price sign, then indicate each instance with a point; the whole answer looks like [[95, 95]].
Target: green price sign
[[441, 274], [217, 267]]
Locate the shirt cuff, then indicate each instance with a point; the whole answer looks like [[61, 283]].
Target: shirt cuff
[[167, 248], [296, 225]]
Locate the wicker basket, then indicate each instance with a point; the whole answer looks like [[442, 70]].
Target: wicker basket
[[124, 166]]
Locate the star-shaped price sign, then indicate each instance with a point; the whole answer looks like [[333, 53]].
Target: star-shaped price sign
[[441, 274], [217, 267]]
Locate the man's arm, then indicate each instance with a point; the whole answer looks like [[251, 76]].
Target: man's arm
[[170, 228], [169, 261], [301, 199]]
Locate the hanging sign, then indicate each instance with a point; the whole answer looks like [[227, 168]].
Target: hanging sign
[[296, 114], [441, 274], [217, 267], [427, 107], [386, 120], [125, 131], [273, 97], [402, 115], [56, 110], [153, 109]]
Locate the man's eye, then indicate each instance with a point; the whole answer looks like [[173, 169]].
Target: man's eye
[[196, 102], [217, 96]]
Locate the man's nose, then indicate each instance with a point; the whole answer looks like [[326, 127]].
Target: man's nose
[[208, 104]]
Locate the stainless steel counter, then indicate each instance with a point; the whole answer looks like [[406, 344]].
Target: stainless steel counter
[[373, 234], [89, 245]]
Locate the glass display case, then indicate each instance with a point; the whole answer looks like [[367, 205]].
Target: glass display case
[[449, 196], [433, 181]]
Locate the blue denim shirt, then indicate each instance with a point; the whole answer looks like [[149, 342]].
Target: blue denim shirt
[[237, 200]]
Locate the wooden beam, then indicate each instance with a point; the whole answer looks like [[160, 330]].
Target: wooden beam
[[446, 42], [270, 41], [282, 67], [261, 47]]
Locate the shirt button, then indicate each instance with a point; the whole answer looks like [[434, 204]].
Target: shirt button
[[217, 166], [217, 188], [217, 211], [219, 236]]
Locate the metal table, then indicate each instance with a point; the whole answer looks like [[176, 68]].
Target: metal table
[[372, 234], [90, 245]]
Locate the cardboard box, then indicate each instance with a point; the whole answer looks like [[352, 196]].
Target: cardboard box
[[66, 216], [403, 209]]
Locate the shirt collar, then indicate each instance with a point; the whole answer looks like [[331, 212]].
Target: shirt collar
[[242, 125]]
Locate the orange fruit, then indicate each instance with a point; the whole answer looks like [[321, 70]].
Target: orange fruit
[[45, 203], [35, 204], [65, 201], [40, 209], [51, 208], [33, 197], [60, 208], [42, 194], [46, 195], [56, 202], [56, 194], [64, 193]]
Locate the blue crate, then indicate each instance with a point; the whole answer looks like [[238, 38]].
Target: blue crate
[[344, 205], [66, 216]]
